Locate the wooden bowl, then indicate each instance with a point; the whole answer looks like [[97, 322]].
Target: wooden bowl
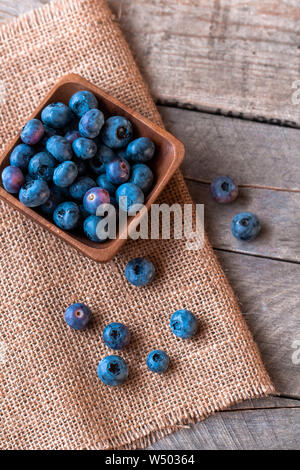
[[168, 157]]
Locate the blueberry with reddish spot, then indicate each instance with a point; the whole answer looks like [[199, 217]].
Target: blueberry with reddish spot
[[224, 190], [12, 179], [103, 156], [60, 148], [78, 316], [245, 226], [72, 135], [142, 176], [84, 148], [21, 156], [78, 189], [117, 132], [116, 336], [34, 193], [57, 115], [158, 361], [67, 215], [140, 271], [130, 197], [91, 123], [103, 182], [184, 324], [94, 198], [82, 102], [32, 132], [141, 150], [112, 370], [65, 174], [41, 166], [118, 171]]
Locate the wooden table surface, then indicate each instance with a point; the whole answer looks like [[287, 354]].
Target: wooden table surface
[[222, 73]]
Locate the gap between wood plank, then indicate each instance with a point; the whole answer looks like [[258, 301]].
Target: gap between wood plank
[[251, 186], [254, 255], [231, 114]]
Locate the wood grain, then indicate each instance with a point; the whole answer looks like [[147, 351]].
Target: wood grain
[[227, 55], [268, 292], [253, 429], [277, 210], [251, 153]]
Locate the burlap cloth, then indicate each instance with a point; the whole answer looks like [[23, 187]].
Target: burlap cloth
[[51, 397]]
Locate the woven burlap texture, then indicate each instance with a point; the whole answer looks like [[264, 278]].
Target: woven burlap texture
[[51, 397]]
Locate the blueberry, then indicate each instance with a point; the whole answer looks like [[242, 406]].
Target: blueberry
[[118, 171], [94, 198], [91, 229], [224, 190], [117, 132], [66, 215], [142, 176], [65, 174], [72, 135], [82, 101], [32, 132], [12, 179], [104, 155], [140, 150], [116, 336], [91, 123], [78, 189], [112, 370], [128, 195], [34, 193], [84, 148], [21, 155], [60, 148], [103, 182], [158, 361], [55, 198], [78, 316], [57, 115], [41, 166], [183, 324], [140, 271], [245, 226]]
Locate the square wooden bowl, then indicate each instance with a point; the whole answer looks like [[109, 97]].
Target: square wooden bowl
[[168, 157]]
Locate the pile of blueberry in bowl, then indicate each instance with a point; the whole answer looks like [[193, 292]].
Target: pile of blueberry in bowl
[[73, 160]]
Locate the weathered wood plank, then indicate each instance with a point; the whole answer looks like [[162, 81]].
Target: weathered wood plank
[[277, 210], [256, 429], [255, 155], [250, 152], [238, 56], [233, 56], [268, 291]]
